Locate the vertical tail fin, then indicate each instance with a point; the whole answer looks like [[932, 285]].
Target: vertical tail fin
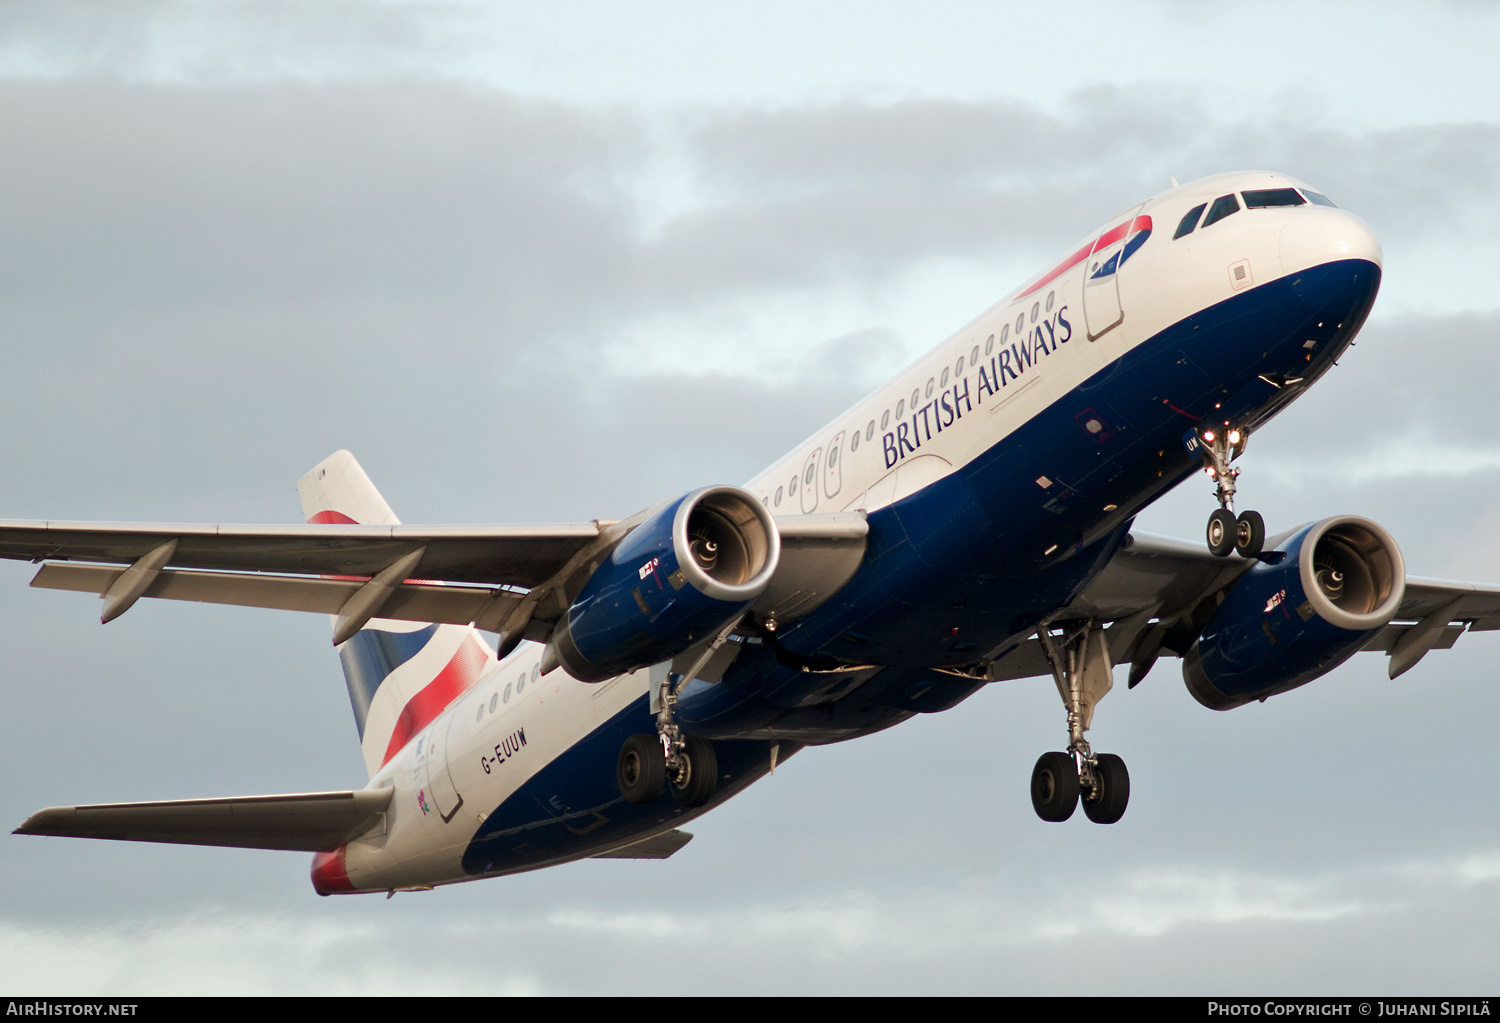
[[400, 675]]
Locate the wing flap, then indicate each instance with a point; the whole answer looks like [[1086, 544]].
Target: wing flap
[[308, 822], [416, 602]]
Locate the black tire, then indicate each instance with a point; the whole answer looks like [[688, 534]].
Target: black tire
[[642, 769], [1249, 534], [1054, 787], [700, 774], [1220, 533], [1113, 792]]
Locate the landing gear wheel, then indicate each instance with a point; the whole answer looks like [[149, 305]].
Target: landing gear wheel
[[642, 769], [1221, 533], [1111, 790], [1249, 534], [699, 776], [1054, 787]]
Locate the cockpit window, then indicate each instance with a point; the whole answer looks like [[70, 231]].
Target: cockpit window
[[1190, 221], [1223, 206], [1261, 198], [1318, 198]]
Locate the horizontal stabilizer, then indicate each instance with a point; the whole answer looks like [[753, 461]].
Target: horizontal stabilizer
[[309, 822], [657, 847]]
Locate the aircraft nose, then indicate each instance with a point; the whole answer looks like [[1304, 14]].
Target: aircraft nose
[[1318, 235]]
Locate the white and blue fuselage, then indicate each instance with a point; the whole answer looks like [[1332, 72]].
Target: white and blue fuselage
[[999, 472]]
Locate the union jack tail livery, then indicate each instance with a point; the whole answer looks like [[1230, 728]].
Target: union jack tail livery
[[400, 675]]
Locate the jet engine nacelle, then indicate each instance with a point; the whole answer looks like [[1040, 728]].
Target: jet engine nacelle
[[1295, 617], [675, 579]]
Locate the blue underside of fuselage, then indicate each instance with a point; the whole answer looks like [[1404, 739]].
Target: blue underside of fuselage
[[961, 571], [573, 806]]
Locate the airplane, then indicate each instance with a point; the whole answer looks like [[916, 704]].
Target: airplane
[[968, 522]]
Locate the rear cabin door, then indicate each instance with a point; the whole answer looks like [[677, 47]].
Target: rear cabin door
[[1102, 311], [440, 787]]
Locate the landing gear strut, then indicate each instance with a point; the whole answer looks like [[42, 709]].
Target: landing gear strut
[[1245, 533], [687, 764], [1084, 672]]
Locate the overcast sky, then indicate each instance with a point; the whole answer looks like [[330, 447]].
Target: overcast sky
[[556, 263]]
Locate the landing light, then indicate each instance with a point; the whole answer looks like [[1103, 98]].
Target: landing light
[[1208, 435], [1234, 436]]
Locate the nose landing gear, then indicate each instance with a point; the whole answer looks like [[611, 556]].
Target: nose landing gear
[[1245, 534], [1084, 673]]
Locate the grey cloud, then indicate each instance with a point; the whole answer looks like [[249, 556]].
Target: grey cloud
[[206, 290], [178, 40]]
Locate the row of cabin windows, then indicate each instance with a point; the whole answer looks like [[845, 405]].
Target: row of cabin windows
[[921, 393], [1255, 199], [497, 699]]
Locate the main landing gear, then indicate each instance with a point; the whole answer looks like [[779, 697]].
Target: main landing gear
[[1083, 671], [1245, 534], [687, 764]]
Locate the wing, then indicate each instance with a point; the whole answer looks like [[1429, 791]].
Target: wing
[[514, 580], [1158, 593], [310, 822]]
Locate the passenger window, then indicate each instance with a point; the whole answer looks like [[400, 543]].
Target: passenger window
[[944, 381], [1050, 296], [1036, 309], [493, 700], [1223, 206], [916, 399], [958, 367], [1190, 221], [1020, 323], [1318, 198], [989, 346], [1004, 333], [900, 407], [778, 497], [520, 683], [870, 431], [479, 713], [536, 671], [885, 419], [931, 383], [807, 477], [1262, 198], [791, 487], [974, 355], [506, 697], [854, 441]]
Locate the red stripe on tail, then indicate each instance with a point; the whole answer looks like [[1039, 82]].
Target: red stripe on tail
[[451, 683], [331, 518]]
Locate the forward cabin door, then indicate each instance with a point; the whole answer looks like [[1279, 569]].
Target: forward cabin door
[[1102, 311], [808, 483]]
